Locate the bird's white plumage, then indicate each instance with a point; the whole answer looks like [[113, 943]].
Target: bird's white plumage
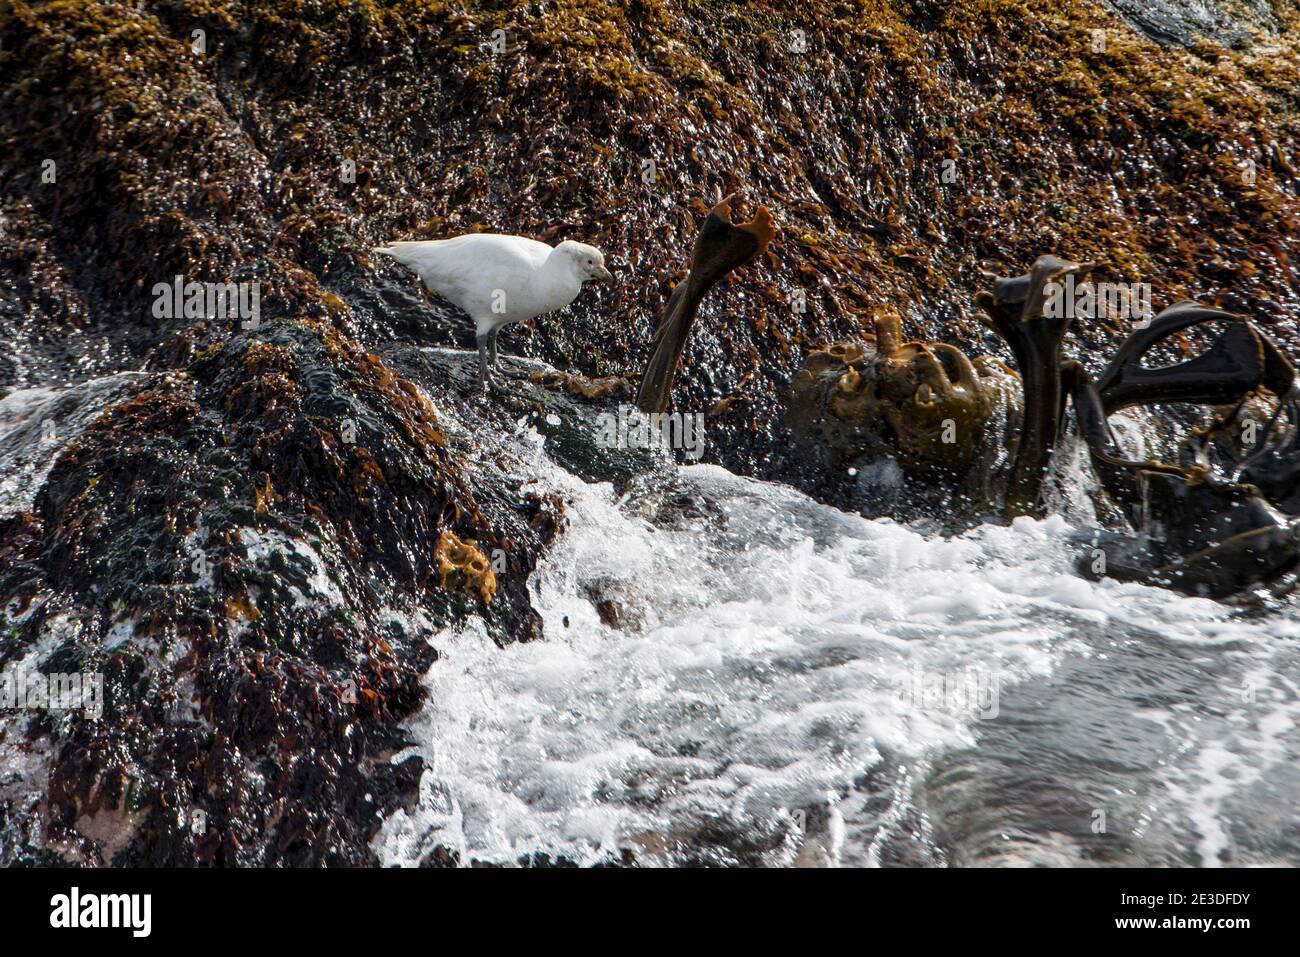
[[499, 279]]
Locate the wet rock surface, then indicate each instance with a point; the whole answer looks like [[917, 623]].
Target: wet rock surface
[[902, 147], [254, 539], [254, 553], [1187, 21]]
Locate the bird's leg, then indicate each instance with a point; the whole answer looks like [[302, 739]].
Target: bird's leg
[[492, 347], [484, 377]]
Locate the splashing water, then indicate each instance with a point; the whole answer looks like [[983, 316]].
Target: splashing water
[[756, 678], [734, 673], [37, 424]]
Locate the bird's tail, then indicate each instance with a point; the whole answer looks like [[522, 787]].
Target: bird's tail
[[413, 255]]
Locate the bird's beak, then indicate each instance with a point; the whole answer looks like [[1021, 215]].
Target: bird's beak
[[603, 275]]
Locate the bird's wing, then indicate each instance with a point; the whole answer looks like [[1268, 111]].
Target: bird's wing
[[467, 269]]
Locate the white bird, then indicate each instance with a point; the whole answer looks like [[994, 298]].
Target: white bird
[[500, 279]]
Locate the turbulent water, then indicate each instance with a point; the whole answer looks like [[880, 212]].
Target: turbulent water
[[36, 423], [776, 682], [734, 673]]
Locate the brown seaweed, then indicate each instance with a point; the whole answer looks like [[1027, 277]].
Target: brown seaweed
[[1199, 533], [720, 247], [1240, 361], [1015, 311], [924, 404]]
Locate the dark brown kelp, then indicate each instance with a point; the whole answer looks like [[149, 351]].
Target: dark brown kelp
[[1240, 361], [1015, 311], [903, 147], [1200, 532], [720, 247]]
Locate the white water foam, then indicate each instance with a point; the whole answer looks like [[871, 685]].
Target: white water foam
[[37, 424], [765, 655], [763, 662]]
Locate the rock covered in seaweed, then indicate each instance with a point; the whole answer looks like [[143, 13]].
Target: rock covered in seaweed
[[902, 147], [254, 553], [249, 580]]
